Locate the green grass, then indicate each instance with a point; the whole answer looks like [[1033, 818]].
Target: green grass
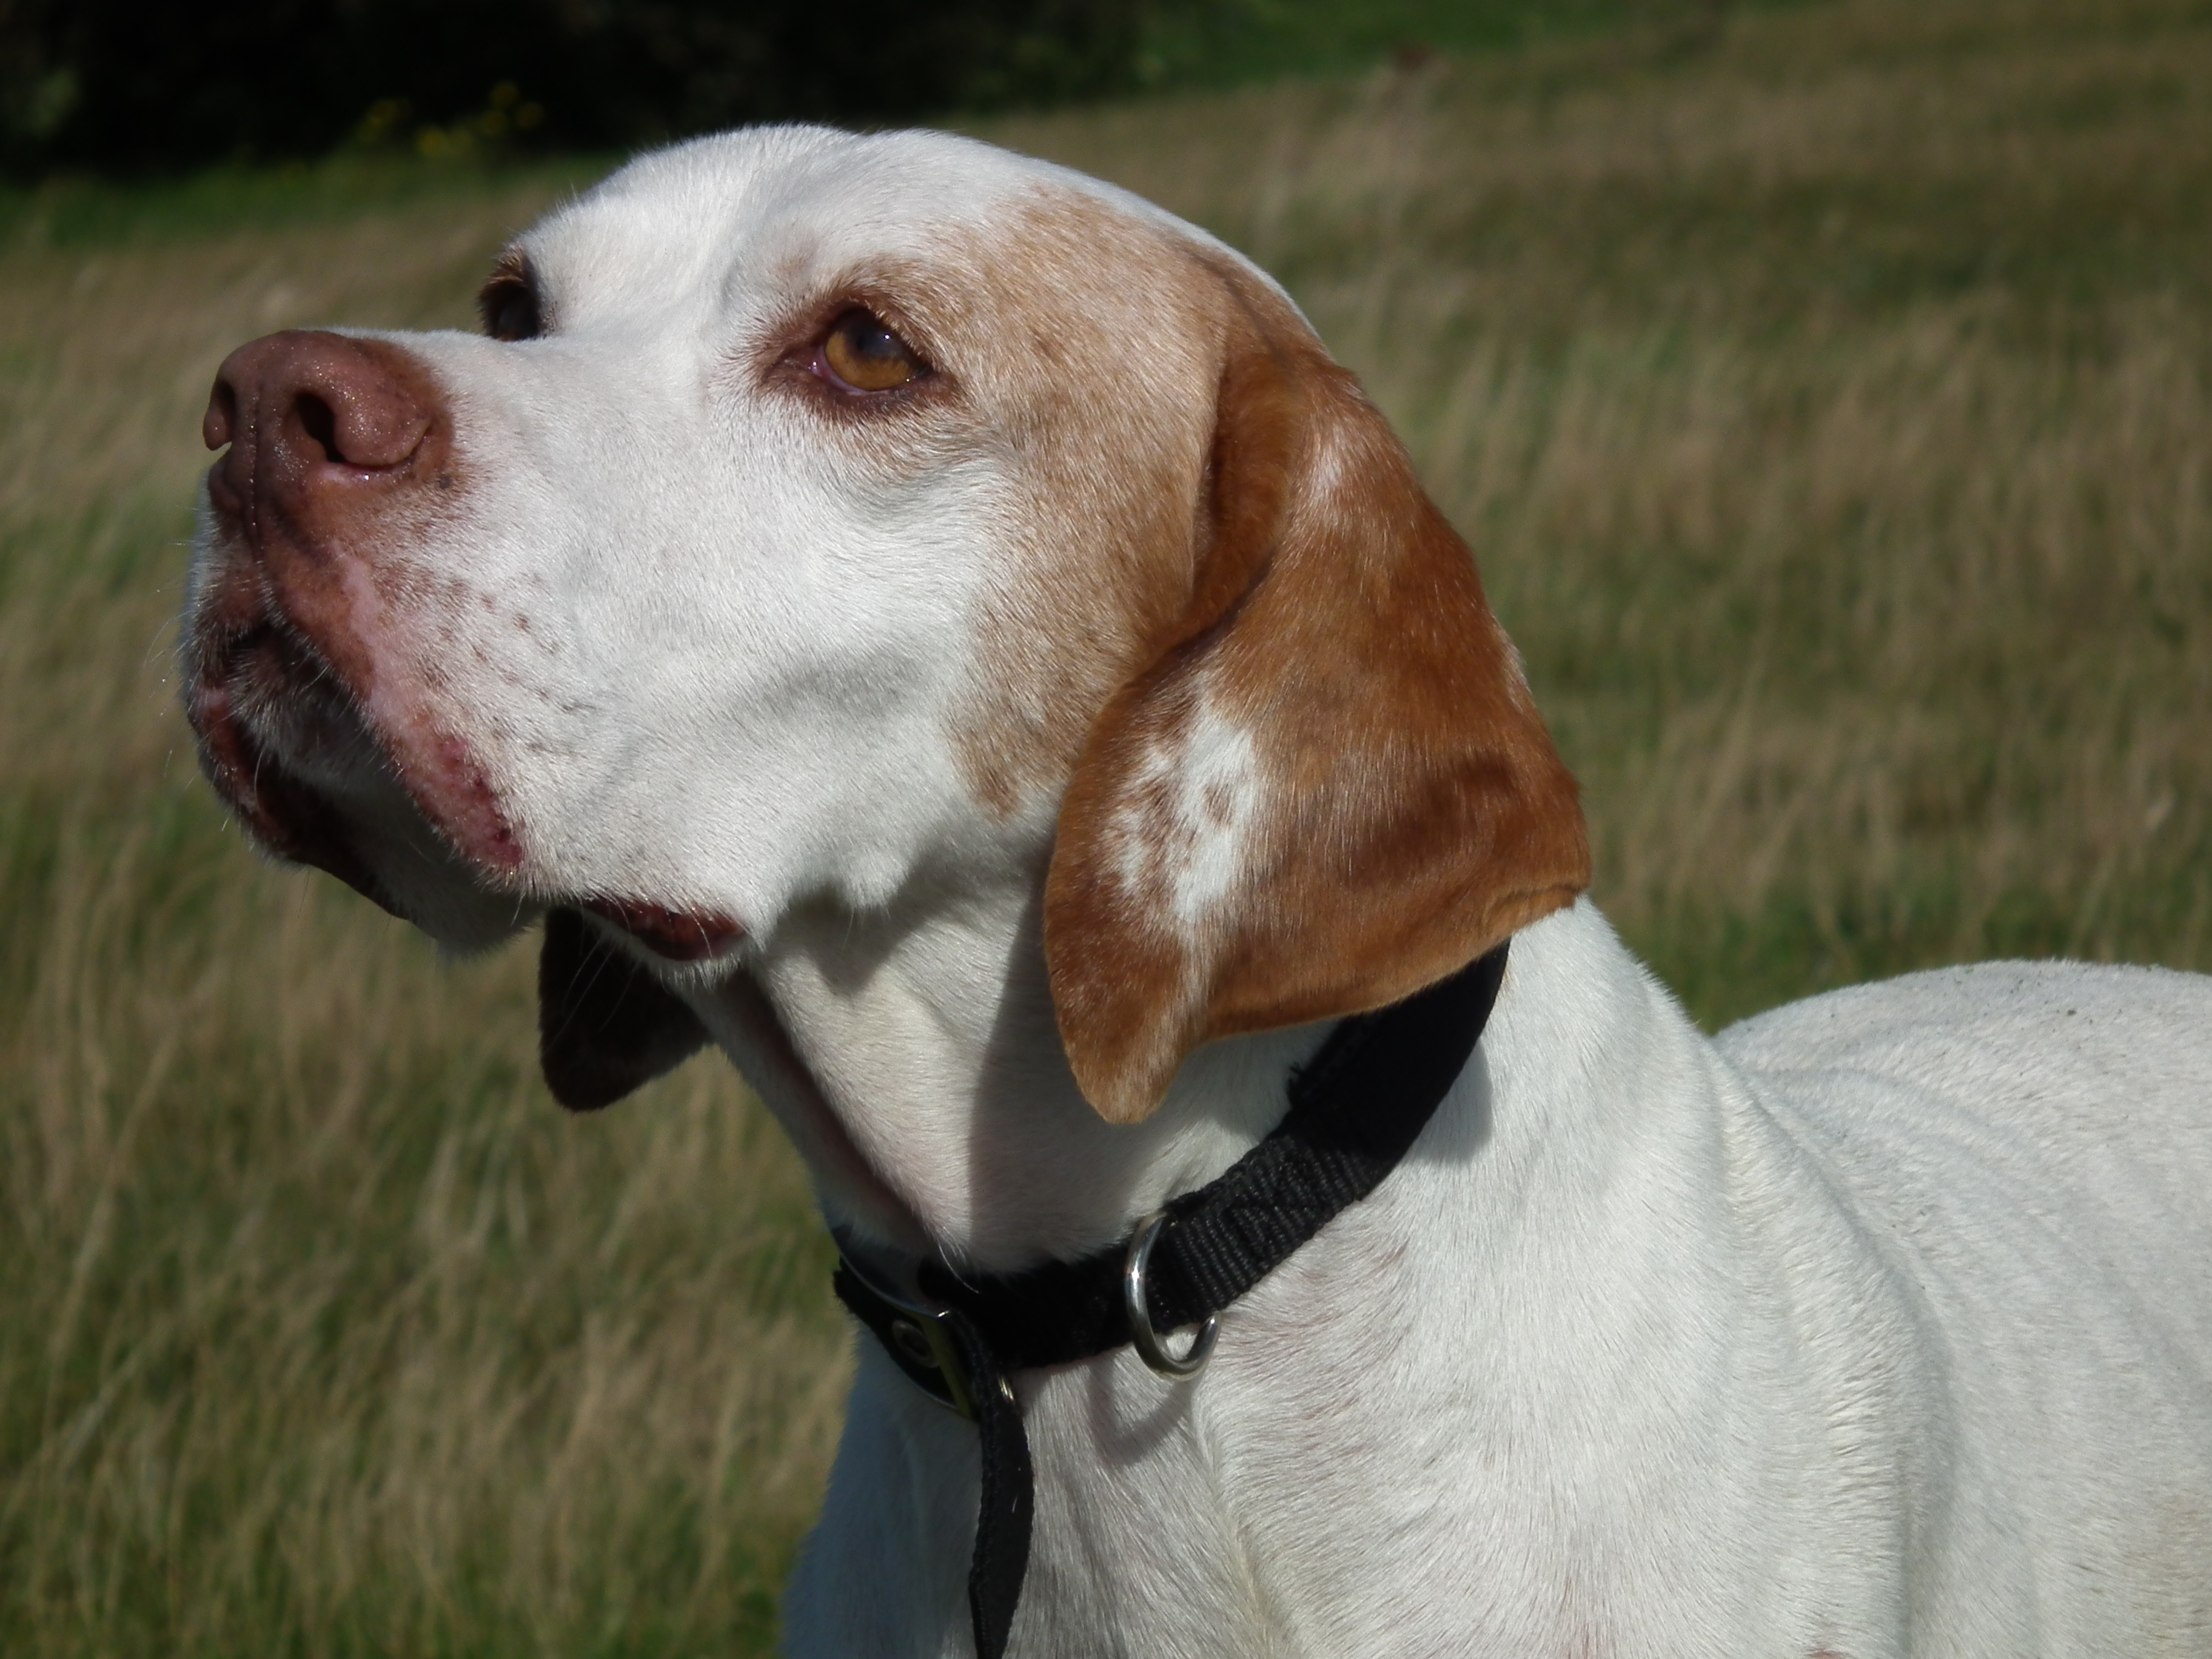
[[1827, 398]]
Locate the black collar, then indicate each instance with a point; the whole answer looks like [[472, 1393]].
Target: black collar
[[1355, 1109]]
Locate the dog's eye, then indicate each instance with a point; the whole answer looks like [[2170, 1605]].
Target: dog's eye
[[508, 302], [863, 352]]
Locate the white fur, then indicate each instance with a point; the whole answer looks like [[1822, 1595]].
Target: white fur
[[1217, 796], [1881, 1326], [1185, 836]]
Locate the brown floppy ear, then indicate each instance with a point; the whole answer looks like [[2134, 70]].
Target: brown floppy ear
[[605, 1026], [1330, 787]]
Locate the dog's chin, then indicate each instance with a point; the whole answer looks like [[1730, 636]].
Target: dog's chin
[[284, 744]]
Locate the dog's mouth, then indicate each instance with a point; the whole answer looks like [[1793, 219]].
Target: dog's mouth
[[291, 751], [276, 727], [289, 746]]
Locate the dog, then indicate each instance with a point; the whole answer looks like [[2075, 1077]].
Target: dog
[[944, 631]]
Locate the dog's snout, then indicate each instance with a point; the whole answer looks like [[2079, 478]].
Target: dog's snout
[[310, 417]]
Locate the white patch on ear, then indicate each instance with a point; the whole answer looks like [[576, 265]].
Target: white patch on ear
[[1215, 806], [1184, 834]]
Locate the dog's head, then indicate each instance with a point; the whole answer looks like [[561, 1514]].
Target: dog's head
[[823, 516]]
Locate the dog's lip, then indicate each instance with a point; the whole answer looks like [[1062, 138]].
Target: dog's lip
[[287, 667], [262, 745], [266, 785], [288, 816], [262, 664], [676, 933], [246, 664]]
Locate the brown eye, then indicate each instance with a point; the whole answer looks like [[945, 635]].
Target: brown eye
[[508, 302], [863, 352]]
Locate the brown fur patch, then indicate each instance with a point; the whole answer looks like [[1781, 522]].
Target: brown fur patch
[[1414, 812], [1099, 366]]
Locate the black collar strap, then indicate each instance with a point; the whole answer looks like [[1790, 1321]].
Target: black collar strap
[[1355, 1109]]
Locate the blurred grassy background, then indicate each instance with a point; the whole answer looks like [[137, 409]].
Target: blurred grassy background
[[1828, 396]]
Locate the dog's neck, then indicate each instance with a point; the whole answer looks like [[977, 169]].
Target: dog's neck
[[922, 1077], [1592, 1217], [917, 1065]]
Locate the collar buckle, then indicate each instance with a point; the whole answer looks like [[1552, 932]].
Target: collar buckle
[[914, 1331]]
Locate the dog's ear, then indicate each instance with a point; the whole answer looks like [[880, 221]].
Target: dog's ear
[[605, 1026], [1329, 787]]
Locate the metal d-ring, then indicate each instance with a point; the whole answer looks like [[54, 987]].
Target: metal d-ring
[[1150, 1348]]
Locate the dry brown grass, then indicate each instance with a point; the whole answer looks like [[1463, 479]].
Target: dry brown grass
[[1831, 409]]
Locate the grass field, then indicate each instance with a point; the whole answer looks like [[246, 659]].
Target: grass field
[[1829, 400]]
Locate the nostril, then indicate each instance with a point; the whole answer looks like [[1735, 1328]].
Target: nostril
[[221, 421], [321, 423]]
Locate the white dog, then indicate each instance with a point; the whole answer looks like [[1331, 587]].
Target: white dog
[[945, 629]]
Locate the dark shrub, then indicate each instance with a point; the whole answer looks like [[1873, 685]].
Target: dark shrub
[[118, 84]]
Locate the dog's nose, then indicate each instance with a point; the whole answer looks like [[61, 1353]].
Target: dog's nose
[[305, 413]]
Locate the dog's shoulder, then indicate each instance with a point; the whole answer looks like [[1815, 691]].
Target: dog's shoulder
[[2027, 1146], [2017, 1128], [2069, 1075], [2031, 1042]]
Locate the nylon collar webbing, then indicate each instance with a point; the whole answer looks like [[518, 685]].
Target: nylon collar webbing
[[1355, 1109]]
